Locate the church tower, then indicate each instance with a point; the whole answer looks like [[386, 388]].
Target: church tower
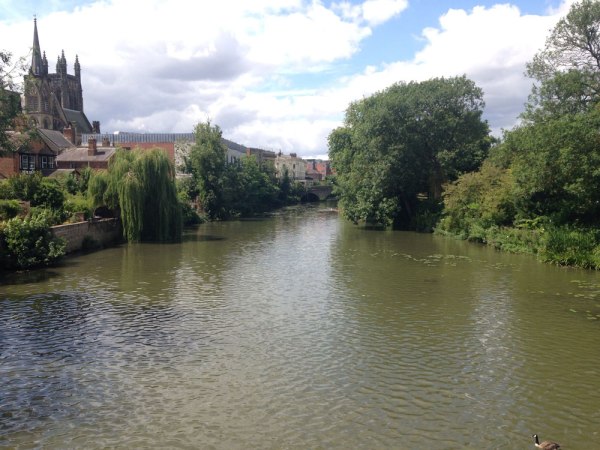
[[54, 101]]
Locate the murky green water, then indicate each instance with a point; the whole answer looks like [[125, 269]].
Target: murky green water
[[300, 331]]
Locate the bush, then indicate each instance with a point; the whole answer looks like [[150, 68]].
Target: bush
[[479, 200], [49, 195], [189, 214], [6, 191], [29, 243], [572, 247], [52, 216], [76, 204], [9, 209], [24, 186]]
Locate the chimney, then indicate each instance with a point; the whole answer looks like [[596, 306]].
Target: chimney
[[105, 142], [69, 134], [91, 146]]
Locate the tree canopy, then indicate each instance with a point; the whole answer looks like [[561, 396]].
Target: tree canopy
[[141, 185], [227, 190], [9, 101], [207, 162], [543, 179], [407, 140], [567, 69]]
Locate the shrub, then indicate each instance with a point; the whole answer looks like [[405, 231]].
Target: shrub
[[572, 247], [24, 186], [479, 200], [9, 209], [30, 243], [49, 195], [76, 204], [189, 214], [6, 191]]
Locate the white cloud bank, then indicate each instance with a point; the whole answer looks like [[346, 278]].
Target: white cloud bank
[[163, 66]]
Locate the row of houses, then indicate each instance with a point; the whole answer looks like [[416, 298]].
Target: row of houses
[[52, 152]]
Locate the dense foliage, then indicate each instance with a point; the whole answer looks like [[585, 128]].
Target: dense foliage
[[28, 242], [405, 142], [141, 185], [10, 101], [25, 237], [540, 188], [231, 190]]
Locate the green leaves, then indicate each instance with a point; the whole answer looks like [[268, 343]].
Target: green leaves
[[568, 68], [407, 140], [208, 161], [30, 243], [141, 184]]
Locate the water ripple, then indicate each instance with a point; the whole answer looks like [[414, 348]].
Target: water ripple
[[298, 332]]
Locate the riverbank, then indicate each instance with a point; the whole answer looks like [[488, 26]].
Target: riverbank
[[563, 246]]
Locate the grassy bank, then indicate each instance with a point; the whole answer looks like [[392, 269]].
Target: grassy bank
[[565, 246]]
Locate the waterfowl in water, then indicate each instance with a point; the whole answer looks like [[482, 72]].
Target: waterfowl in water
[[545, 445]]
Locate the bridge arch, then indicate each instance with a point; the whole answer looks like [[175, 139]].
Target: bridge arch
[[310, 197], [317, 193]]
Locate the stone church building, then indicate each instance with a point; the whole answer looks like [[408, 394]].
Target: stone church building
[[54, 101]]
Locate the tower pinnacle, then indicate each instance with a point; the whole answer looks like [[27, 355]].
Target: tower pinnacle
[[36, 57]]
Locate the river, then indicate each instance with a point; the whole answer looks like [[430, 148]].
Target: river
[[300, 331]]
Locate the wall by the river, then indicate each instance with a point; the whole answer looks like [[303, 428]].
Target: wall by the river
[[102, 232]]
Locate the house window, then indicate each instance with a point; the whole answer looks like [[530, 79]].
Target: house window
[[27, 163], [51, 162], [44, 162]]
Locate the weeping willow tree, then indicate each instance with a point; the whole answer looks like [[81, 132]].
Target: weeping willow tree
[[141, 185]]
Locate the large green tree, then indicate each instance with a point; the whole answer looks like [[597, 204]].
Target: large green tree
[[207, 163], [141, 185], [567, 70], [407, 140], [546, 171], [555, 154]]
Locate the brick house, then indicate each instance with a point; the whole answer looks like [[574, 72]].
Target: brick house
[[92, 156], [36, 151]]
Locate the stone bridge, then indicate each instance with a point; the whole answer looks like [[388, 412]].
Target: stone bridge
[[317, 193]]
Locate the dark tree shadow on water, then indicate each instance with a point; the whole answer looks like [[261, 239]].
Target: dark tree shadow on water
[[201, 238], [26, 277]]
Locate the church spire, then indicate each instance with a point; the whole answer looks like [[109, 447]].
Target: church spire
[[36, 57], [77, 67]]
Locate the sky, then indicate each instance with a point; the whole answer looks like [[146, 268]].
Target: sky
[[277, 74]]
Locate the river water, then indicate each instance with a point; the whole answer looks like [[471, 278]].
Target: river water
[[300, 331]]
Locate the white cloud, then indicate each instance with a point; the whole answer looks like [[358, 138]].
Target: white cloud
[[376, 12], [163, 66], [490, 45], [372, 12]]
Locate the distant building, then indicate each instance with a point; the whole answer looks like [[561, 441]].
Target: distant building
[[317, 169], [92, 155], [54, 101], [296, 167], [262, 156], [176, 145]]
